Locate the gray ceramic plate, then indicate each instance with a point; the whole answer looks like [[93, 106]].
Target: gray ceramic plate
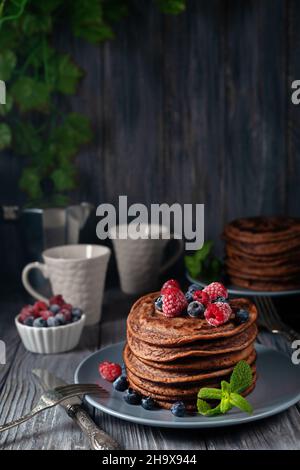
[[278, 388], [234, 290]]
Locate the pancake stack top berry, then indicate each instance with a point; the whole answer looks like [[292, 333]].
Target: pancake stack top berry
[[263, 253], [178, 342]]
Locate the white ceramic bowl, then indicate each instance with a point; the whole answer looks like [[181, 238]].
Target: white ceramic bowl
[[52, 340]]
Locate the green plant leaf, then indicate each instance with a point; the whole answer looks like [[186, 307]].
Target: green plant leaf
[[210, 393], [5, 136], [241, 403], [193, 266], [114, 10], [8, 61], [172, 7], [26, 140], [5, 108], [206, 410], [241, 377], [46, 6], [88, 23], [64, 178], [66, 74], [30, 94], [30, 183], [32, 24]]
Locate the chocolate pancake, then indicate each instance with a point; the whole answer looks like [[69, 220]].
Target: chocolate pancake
[[187, 391], [275, 259], [218, 361], [146, 324], [272, 286], [259, 270], [283, 278], [191, 404], [144, 371], [199, 348], [260, 230]]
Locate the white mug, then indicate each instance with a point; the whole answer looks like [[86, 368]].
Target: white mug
[[77, 272], [139, 260]]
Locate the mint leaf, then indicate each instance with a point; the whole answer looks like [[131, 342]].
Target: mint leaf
[[241, 377], [206, 410], [210, 393], [193, 266], [171, 7], [241, 403]]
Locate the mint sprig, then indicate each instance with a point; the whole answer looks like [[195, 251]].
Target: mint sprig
[[229, 394]]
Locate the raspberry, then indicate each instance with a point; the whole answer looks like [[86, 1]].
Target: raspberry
[[109, 370], [201, 297], [218, 313], [170, 283], [174, 302], [67, 306], [45, 314], [26, 312], [215, 290], [67, 314], [58, 300]]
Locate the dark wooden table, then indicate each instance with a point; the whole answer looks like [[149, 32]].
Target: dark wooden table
[[52, 429]]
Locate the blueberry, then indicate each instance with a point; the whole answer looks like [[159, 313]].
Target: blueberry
[[40, 322], [159, 303], [195, 309], [148, 403], [53, 321], [54, 308], [178, 409], [76, 313], [193, 287], [121, 384], [29, 321], [189, 296], [132, 398], [61, 318], [242, 316]]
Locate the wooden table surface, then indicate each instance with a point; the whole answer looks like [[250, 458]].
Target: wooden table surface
[[53, 429]]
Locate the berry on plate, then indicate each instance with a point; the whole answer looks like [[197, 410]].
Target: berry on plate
[[148, 403], [218, 313], [29, 321], [132, 398], [195, 309], [241, 316], [170, 283], [193, 287], [215, 290], [53, 321], [109, 370], [201, 297], [26, 312], [189, 296], [61, 318], [121, 383], [38, 307], [159, 303], [174, 302], [178, 409], [67, 314], [76, 313]]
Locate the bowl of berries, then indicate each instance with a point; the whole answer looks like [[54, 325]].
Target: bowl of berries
[[50, 328]]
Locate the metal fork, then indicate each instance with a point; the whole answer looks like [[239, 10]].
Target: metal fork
[[55, 396], [271, 321]]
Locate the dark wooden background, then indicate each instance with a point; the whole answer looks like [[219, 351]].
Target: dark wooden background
[[194, 108]]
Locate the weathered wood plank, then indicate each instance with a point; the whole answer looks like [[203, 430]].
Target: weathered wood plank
[[256, 108]]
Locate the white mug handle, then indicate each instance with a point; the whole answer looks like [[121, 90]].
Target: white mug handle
[[35, 265], [172, 260]]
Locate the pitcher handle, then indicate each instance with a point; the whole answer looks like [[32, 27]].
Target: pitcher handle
[[25, 279]]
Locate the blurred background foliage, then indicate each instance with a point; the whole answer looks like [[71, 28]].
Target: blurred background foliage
[[36, 73]]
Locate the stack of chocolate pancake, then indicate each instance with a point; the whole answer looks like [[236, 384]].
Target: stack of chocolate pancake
[[170, 359], [263, 253]]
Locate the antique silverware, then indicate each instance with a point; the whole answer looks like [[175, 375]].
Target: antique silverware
[[54, 397], [99, 440]]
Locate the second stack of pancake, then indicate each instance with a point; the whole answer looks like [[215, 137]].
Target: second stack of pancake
[[170, 359], [263, 253]]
